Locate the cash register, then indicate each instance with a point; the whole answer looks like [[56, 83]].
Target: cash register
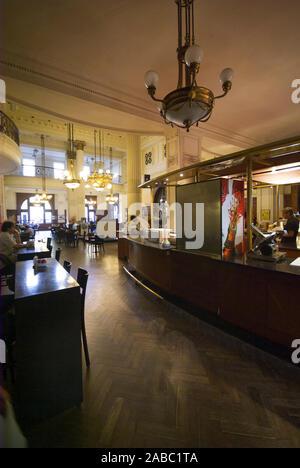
[[264, 247]]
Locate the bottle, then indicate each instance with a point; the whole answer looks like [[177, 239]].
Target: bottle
[[35, 262]]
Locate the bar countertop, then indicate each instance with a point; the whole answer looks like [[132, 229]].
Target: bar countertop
[[29, 282], [283, 266]]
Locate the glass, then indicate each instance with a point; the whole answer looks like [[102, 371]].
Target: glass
[[29, 167], [48, 216], [24, 205], [58, 170], [36, 214], [24, 217]]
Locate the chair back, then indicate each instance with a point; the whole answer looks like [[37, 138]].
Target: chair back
[[57, 254], [67, 266], [49, 242], [82, 279], [24, 236], [99, 240]]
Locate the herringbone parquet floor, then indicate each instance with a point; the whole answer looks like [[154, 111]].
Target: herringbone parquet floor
[[161, 378]]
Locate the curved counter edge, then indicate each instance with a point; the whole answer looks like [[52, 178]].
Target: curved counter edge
[[260, 300]]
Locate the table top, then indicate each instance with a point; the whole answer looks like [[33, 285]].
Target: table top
[[38, 248], [53, 278]]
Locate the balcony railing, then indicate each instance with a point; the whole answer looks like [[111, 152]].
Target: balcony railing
[[9, 128], [50, 173]]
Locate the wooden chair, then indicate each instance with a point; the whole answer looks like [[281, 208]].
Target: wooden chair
[[57, 254], [49, 242], [96, 244], [8, 333], [71, 239], [7, 272], [67, 266], [82, 278]]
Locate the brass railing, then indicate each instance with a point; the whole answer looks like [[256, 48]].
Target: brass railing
[[50, 172], [9, 128]]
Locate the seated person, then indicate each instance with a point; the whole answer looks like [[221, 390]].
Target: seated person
[[291, 228], [9, 241], [29, 230]]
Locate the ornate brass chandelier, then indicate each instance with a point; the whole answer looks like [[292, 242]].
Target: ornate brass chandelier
[[43, 197], [100, 179], [111, 199], [70, 180], [189, 104], [89, 201]]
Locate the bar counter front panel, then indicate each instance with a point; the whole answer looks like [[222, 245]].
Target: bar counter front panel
[[258, 297]]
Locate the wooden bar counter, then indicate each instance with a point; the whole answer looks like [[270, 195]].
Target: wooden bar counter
[[256, 296]]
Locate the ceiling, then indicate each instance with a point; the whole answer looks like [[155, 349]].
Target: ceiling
[[106, 47]]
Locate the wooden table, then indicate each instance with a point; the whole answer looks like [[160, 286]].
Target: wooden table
[[48, 344], [40, 250]]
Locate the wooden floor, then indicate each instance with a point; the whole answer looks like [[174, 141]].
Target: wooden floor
[[161, 378]]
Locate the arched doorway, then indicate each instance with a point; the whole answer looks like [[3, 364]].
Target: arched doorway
[[35, 213]]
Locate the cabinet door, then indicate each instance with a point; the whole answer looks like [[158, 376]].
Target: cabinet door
[[283, 318], [244, 298]]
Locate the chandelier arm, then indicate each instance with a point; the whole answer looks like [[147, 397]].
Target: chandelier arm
[[226, 88], [221, 95], [151, 92]]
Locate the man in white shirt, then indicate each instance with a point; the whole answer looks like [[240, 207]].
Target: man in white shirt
[[9, 240]]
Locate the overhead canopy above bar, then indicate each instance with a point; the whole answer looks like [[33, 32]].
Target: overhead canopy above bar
[[263, 157]]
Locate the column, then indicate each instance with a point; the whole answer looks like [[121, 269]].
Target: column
[[133, 170], [76, 197]]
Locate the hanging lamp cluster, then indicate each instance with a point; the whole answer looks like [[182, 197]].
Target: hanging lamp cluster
[[100, 179], [43, 197], [111, 199], [189, 103], [89, 201], [70, 179]]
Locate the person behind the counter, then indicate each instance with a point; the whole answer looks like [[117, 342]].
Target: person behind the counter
[[291, 228]]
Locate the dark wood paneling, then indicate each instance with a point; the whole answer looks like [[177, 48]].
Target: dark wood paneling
[[123, 248], [152, 263], [197, 282], [243, 297], [258, 300]]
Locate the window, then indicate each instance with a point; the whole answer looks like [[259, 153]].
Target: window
[[28, 167], [35, 214], [85, 172], [59, 168]]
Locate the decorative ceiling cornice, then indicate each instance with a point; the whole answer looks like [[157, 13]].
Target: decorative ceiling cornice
[[31, 71], [30, 121], [27, 69]]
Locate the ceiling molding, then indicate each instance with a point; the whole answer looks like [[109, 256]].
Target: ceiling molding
[[29, 70], [26, 69], [30, 121]]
